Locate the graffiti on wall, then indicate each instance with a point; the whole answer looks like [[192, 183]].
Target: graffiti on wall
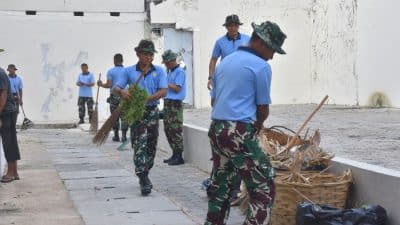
[[55, 74]]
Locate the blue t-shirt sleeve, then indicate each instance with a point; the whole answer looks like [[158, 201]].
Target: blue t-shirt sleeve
[[263, 86], [109, 75], [216, 51], [180, 78], [123, 80], [21, 84], [162, 80]]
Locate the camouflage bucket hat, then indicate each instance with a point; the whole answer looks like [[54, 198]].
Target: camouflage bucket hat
[[271, 34], [146, 46], [169, 56], [232, 19]]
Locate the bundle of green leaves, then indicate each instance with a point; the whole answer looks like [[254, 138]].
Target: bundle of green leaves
[[133, 109]]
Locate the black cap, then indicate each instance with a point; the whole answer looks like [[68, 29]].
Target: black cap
[[232, 19], [12, 66]]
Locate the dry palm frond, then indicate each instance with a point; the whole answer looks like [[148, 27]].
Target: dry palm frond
[[102, 134]]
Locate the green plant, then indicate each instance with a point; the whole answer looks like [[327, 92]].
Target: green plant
[[133, 109]]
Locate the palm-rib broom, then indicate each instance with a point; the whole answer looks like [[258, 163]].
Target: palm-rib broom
[[101, 136], [94, 123]]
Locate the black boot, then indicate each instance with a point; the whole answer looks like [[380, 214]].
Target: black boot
[[169, 159], [124, 135], [176, 160], [81, 121], [116, 136], [145, 184]]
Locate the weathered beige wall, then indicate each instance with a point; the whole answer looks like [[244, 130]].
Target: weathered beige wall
[[343, 48], [48, 49]]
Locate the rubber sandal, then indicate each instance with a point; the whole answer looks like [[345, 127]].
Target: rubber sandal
[[6, 179]]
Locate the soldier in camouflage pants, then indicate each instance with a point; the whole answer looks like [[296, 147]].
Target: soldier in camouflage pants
[[81, 106], [144, 135], [173, 125], [114, 101], [235, 145]]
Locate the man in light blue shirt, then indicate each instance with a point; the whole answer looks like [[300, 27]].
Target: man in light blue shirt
[[144, 133], [16, 85], [173, 110], [85, 82], [227, 44], [113, 76], [240, 99]]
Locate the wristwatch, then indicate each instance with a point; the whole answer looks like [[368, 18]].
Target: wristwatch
[[209, 78]]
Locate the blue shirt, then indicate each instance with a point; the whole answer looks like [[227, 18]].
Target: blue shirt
[[85, 91], [15, 84], [114, 74], [153, 81], [226, 45], [241, 82], [177, 76]]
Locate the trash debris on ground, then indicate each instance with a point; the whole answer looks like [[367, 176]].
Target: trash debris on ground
[[315, 214]]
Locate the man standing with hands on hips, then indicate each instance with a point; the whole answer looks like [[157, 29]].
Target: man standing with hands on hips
[[144, 133], [240, 99], [173, 110], [85, 83]]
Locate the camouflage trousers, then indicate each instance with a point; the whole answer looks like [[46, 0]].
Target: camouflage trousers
[[114, 101], [173, 124], [236, 149], [81, 105], [144, 135]]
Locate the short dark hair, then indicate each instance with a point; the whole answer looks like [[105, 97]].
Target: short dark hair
[[84, 64], [118, 57]]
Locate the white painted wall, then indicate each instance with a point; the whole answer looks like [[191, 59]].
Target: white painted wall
[[343, 48], [74, 5], [48, 49]]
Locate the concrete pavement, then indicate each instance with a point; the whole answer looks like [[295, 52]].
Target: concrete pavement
[[40, 197]]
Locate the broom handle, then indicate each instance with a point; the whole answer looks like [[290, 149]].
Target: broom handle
[[98, 89], [292, 141]]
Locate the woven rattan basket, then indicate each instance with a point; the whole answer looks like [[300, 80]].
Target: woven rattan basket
[[323, 188], [277, 134]]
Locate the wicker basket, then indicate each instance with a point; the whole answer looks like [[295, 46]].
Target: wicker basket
[[324, 188], [277, 134]]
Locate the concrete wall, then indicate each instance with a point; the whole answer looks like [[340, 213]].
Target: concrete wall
[[372, 184], [74, 5], [378, 45], [49, 47], [343, 48]]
